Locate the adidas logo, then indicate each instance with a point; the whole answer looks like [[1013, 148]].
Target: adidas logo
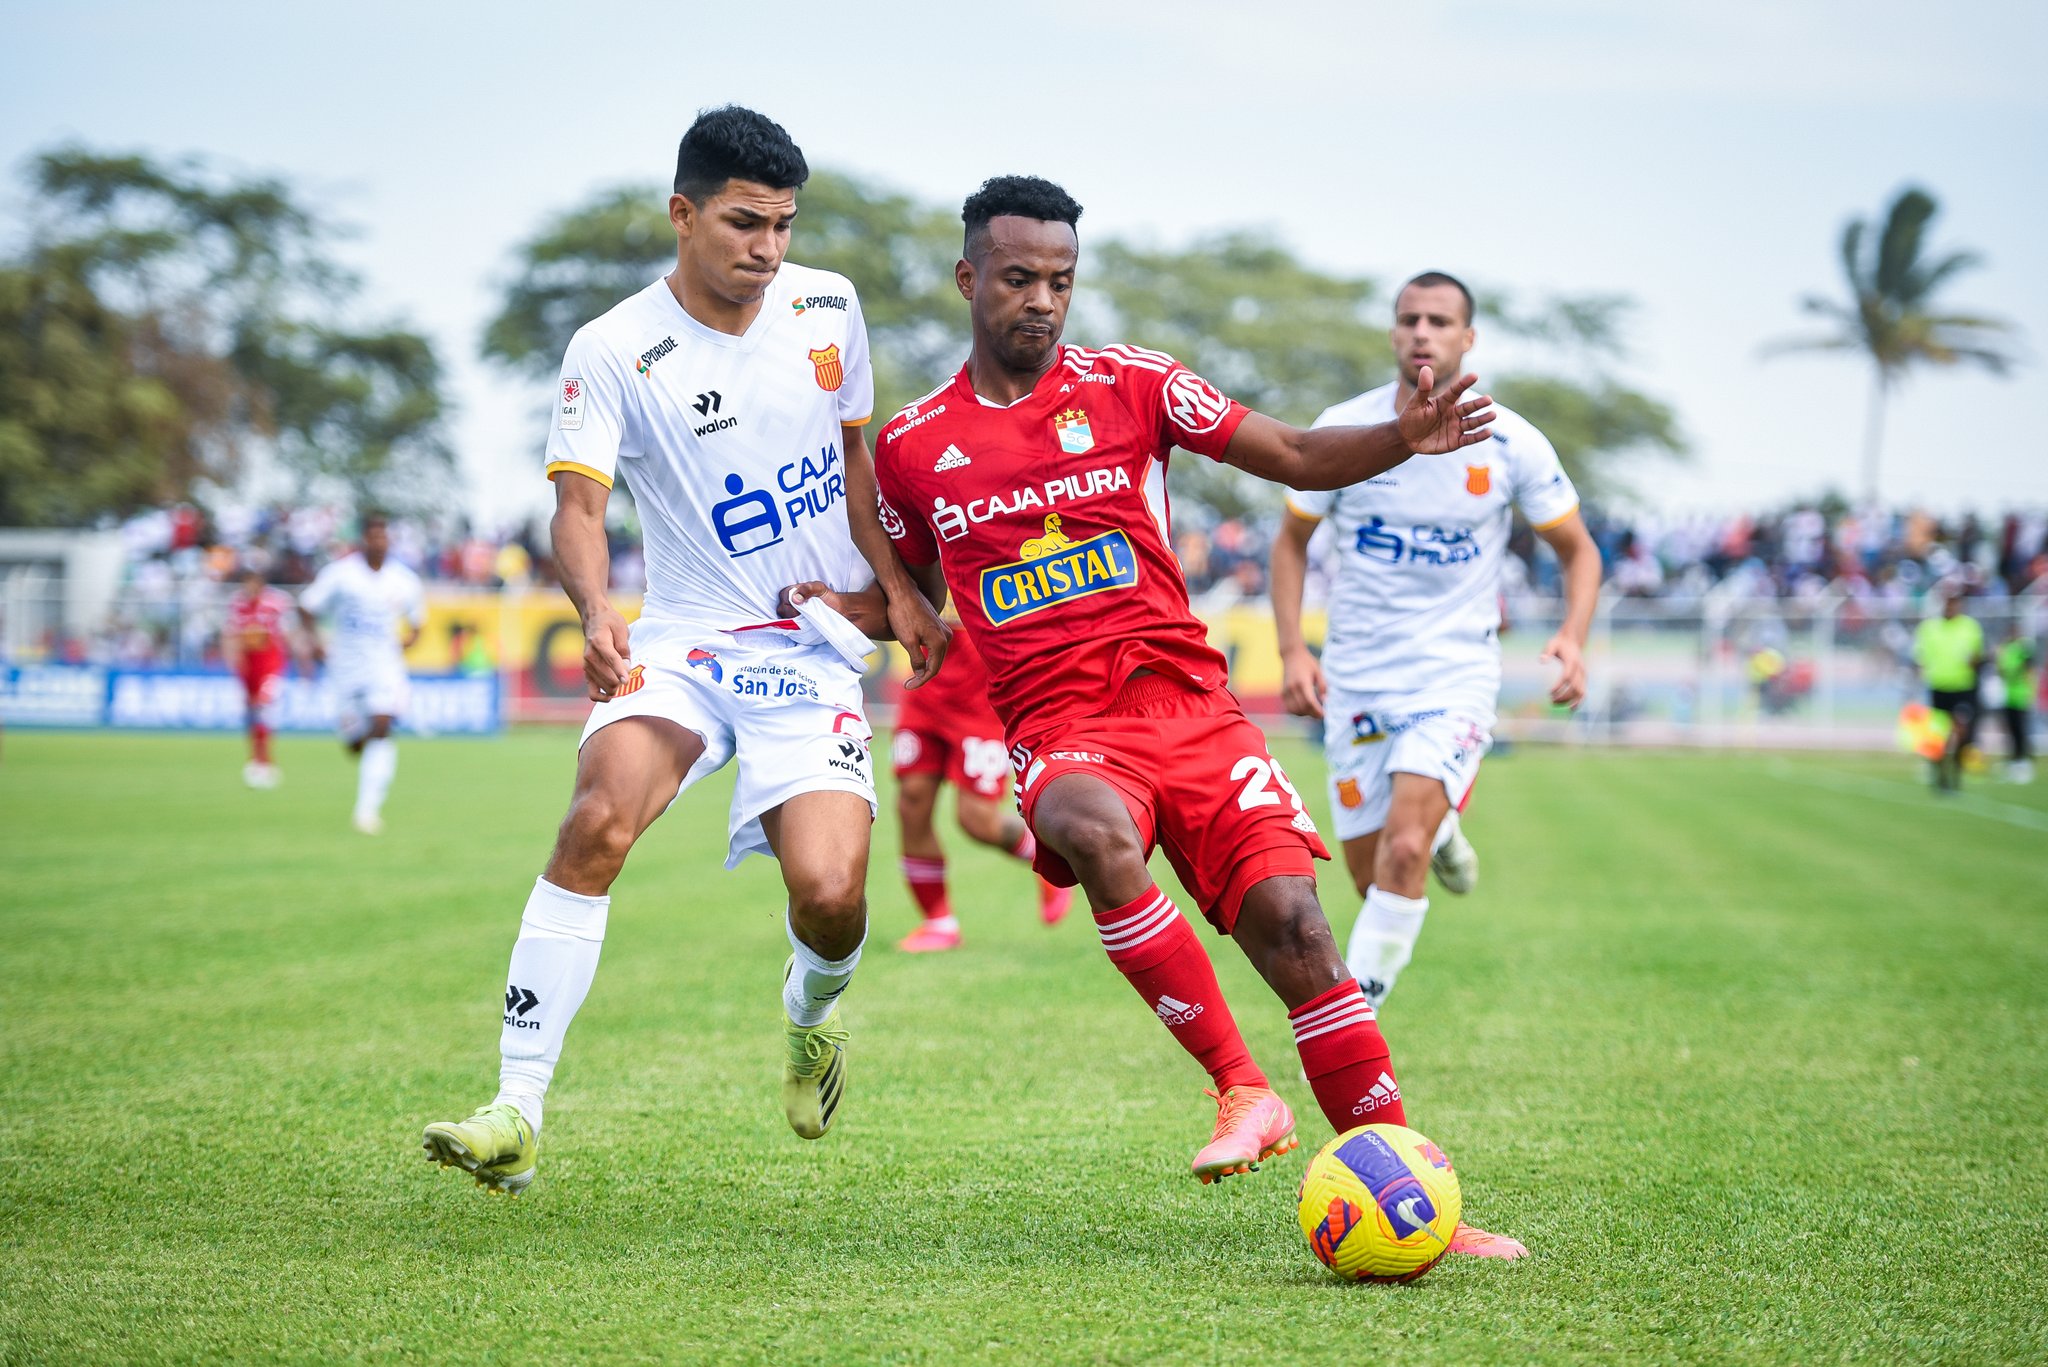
[[1303, 824], [1384, 1091], [519, 1001], [952, 458], [1174, 1011]]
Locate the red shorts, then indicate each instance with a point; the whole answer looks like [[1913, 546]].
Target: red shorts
[[1197, 778], [965, 750], [948, 728], [260, 675]]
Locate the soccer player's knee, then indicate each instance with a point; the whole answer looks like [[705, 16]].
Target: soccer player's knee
[[1091, 844], [380, 727], [982, 821], [914, 810], [828, 897], [598, 830], [1404, 854]]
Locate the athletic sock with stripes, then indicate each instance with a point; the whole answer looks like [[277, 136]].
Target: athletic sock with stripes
[[1153, 945], [1346, 1059]]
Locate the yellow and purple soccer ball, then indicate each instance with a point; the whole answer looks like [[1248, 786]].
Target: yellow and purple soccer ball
[[1380, 1204]]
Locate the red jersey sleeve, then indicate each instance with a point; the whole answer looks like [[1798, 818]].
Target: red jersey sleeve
[[912, 535], [1188, 411]]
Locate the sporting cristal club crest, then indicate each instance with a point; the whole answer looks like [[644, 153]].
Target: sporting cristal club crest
[[831, 373], [1478, 479], [1075, 437]]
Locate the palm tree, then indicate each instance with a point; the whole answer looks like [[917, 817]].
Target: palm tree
[[1891, 316]]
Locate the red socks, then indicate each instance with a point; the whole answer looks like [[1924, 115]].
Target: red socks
[[259, 743], [1153, 945], [1346, 1059], [927, 879], [1026, 847]]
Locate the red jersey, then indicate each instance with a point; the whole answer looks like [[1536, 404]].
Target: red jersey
[[258, 624], [1050, 522]]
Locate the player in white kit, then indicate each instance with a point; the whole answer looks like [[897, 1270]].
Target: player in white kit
[[376, 608], [730, 395], [1410, 672]]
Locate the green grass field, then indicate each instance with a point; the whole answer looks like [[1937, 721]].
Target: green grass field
[[1749, 1050]]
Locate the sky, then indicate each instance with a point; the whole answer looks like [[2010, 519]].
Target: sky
[[1698, 157]]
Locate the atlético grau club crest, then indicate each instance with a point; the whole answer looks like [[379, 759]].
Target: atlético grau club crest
[[1478, 479], [831, 374], [1075, 437]]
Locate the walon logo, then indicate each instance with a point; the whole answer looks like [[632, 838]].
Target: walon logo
[[519, 1001], [706, 405]]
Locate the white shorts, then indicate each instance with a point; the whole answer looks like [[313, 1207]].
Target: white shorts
[[1367, 740], [366, 689], [791, 713]]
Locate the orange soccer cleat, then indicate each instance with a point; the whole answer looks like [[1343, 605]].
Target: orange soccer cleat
[[1053, 902], [1252, 1125], [930, 938], [1477, 1243]]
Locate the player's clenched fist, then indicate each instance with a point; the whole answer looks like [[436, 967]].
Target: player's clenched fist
[[605, 653]]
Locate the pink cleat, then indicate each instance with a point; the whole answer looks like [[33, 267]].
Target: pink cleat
[[1053, 902], [930, 938], [1478, 1243], [1252, 1125]]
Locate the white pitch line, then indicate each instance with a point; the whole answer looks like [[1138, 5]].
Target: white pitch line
[[1910, 795]]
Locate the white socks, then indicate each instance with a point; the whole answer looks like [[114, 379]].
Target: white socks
[[552, 967], [1382, 940], [373, 779], [1445, 829], [814, 983]]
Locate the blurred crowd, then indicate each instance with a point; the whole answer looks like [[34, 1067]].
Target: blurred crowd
[[182, 561]]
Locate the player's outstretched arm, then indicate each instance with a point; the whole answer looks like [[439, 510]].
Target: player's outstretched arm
[[1579, 559], [583, 559], [1333, 457], [912, 616]]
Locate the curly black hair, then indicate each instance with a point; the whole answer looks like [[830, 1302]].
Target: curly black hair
[[1021, 196], [735, 143]]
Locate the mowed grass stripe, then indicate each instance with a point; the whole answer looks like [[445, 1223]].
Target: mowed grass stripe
[[1755, 1068]]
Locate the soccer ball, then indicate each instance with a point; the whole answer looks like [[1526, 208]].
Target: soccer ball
[[1380, 1204]]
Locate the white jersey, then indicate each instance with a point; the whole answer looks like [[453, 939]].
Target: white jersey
[[364, 607], [730, 445], [1415, 608]]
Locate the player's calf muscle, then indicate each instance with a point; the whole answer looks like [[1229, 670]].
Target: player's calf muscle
[[1283, 931]]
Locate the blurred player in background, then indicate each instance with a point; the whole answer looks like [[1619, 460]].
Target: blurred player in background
[[946, 732], [1950, 651], [2018, 676], [1033, 485], [1410, 673], [731, 395], [256, 643], [376, 607]]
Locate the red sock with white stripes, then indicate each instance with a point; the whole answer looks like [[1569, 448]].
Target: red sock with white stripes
[[1346, 1059], [1153, 945], [927, 879], [1026, 847]]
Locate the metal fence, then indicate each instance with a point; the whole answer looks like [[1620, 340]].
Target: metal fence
[[1821, 673]]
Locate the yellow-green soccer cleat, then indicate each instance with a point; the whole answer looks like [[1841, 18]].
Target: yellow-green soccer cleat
[[496, 1146], [814, 1075]]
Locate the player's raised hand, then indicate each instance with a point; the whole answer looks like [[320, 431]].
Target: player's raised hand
[[605, 653], [1435, 422], [1570, 688], [1302, 685]]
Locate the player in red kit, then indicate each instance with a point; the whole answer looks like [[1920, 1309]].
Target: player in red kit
[[1034, 483], [946, 732], [255, 642]]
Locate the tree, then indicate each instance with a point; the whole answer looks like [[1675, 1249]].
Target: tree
[[1891, 315], [898, 253], [163, 322]]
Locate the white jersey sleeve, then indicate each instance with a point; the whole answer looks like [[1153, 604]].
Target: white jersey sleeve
[[1536, 479], [590, 410], [318, 597], [857, 390], [414, 609]]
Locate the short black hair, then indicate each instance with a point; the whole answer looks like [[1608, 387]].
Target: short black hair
[[735, 143], [1019, 196], [373, 517], [1439, 278]]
